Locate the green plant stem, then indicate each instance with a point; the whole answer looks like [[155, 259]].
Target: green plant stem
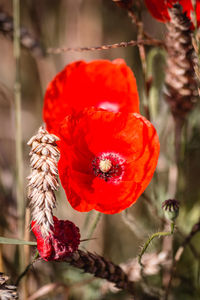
[[93, 226], [18, 126], [157, 234], [17, 95], [87, 219], [35, 258]]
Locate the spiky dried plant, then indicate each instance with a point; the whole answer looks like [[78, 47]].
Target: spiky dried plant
[[43, 178], [180, 77], [7, 292]]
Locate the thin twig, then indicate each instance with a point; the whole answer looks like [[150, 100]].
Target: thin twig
[[195, 229], [152, 42], [87, 219], [36, 258], [131, 13], [93, 226]]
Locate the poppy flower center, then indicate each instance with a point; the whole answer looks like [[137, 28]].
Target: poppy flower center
[[105, 165], [109, 166]]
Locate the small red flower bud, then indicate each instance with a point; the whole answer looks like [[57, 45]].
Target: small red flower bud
[[60, 243]]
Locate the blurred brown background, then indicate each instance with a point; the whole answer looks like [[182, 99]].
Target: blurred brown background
[[79, 23]]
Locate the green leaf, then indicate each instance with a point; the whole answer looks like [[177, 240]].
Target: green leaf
[[10, 241]]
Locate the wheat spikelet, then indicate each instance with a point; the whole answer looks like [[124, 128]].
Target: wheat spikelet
[[180, 77], [43, 178], [101, 268], [7, 292]]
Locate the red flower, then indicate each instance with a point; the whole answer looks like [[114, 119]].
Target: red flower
[[61, 243], [159, 8], [100, 83], [107, 159]]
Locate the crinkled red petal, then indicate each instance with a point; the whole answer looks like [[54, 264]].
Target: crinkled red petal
[[93, 132], [100, 83], [60, 243]]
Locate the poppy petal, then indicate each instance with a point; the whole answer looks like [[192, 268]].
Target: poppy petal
[[131, 144], [101, 83]]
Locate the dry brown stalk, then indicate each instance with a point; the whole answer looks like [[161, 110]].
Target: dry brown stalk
[[128, 5], [152, 42], [195, 229], [28, 41], [135, 16], [43, 178], [7, 292]]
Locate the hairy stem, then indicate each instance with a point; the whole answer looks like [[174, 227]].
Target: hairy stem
[[155, 235]]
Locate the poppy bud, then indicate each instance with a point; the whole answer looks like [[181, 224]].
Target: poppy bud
[[171, 209]]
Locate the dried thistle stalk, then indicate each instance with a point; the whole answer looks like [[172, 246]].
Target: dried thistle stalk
[[43, 178], [7, 292]]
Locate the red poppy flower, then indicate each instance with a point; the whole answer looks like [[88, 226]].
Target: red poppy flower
[[101, 83], [159, 8], [60, 243], [107, 159]]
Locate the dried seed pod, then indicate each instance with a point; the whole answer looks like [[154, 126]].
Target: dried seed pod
[[43, 178]]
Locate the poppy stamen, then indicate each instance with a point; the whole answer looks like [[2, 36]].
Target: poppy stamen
[[109, 166], [105, 165]]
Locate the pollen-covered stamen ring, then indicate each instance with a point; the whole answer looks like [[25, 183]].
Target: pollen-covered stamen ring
[[109, 166], [105, 165]]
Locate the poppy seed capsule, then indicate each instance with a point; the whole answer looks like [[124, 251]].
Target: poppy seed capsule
[[171, 209], [105, 165]]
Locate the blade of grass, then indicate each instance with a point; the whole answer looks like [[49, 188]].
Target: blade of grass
[[11, 241]]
